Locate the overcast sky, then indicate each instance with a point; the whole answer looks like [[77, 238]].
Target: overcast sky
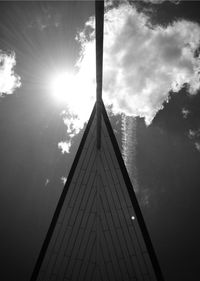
[[151, 72]]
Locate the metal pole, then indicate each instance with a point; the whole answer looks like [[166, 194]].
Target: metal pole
[[99, 22]]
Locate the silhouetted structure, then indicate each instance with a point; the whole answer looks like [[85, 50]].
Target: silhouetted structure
[[97, 231]]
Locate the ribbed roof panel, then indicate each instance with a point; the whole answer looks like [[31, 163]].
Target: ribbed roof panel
[[93, 236]]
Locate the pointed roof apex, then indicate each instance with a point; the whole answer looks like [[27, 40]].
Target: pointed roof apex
[[97, 231]]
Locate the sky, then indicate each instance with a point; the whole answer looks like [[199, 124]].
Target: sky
[[151, 89]]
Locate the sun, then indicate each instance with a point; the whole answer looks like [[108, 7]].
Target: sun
[[74, 91], [63, 88]]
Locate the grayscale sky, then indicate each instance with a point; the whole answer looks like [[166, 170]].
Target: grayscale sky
[[151, 72]]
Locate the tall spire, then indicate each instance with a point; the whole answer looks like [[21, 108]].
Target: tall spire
[[97, 232], [99, 24]]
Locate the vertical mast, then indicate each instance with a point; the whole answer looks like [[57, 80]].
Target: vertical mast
[[99, 22]]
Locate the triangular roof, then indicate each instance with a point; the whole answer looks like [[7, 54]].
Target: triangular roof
[[97, 231]]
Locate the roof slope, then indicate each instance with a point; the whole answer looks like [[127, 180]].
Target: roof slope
[[97, 232]]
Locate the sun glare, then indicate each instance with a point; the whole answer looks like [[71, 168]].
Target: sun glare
[[63, 87], [73, 91]]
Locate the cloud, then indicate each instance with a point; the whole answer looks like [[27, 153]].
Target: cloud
[[74, 119], [63, 180], [197, 145], [185, 112], [143, 62], [111, 3], [161, 1], [194, 133], [9, 80], [129, 151], [47, 182], [64, 146], [48, 19]]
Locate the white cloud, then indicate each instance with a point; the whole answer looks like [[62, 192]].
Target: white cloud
[[64, 146], [194, 133], [129, 143], [9, 80], [63, 179], [185, 113], [197, 145], [142, 63], [73, 122], [47, 182], [110, 3], [161, 1]]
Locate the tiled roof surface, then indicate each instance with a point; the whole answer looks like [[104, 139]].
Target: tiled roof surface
[[95, 234]]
